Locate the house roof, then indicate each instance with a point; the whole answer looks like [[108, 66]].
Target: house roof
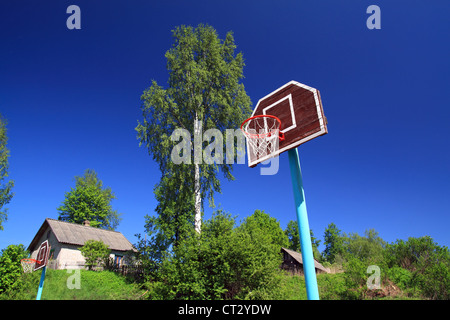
[[77, 234], [298, 256]]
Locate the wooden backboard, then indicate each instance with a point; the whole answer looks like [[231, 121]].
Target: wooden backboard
[[299, 108], [42, 255]]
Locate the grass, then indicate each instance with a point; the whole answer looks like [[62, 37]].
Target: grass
[[107, 285], [331, 287], [62, 285]]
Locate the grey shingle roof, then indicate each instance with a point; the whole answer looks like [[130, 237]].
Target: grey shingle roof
[[77, 234], [298, 256]]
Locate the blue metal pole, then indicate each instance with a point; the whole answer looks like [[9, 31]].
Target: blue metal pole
[[41, 283], [309, 270]]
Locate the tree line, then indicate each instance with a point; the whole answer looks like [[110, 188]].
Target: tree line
[[233, 259]]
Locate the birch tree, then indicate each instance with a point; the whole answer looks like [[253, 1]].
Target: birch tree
[[204, 92]]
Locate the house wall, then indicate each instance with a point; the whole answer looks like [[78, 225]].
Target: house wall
[[70, 257], [293, 266], [55, 246], [62, 255]]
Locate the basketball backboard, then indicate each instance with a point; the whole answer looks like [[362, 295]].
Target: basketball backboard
[[299, 108], [42, 255]]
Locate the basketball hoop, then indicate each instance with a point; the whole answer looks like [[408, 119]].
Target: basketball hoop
[[28, 265], [263, 134]]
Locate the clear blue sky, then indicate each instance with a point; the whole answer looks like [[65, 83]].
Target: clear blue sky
[[72, 100]]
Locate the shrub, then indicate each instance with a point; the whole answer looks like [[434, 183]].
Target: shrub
[[95, 252], [428, 265], [224, 262], [401, 277], [332, 286], [10, 267]]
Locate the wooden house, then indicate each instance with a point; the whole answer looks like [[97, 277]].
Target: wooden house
[[65, 240], [293, 262]]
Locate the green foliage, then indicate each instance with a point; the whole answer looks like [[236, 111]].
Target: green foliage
[[224, 262], [196, 268], [261, 221], [104, 285], [334, 243], [355, 278], [427, 263], [10, 267], [204, 86], [294, 240], [95, 252], [256, 256], [356, 253], [401, 277], [25, 287], [367, 248], [175, 209], [229, 262], [293, 235], [419, 266], [290, 287], [89, 201], [315, 246], [6, 193], [332, 286], [416, 251], [242, 262], [150, 253]]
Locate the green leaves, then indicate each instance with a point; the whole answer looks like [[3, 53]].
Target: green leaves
[[95, 253], [334, 243], [10, 267], [293, 236], [225, 261], [204, 75], [89, 201], [294, 240], [6, 193], [204, 86], [420, 264]]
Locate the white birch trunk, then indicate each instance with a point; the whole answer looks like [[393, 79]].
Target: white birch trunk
[[197, 161]]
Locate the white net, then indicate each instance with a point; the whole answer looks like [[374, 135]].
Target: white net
[[262, 135], [27, 265]]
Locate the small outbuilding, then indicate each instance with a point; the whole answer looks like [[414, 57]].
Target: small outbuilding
[[293, 262], [65, 240]]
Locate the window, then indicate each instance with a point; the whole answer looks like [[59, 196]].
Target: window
[[117, 260]]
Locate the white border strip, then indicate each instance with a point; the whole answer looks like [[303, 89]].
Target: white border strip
[[45, 258], [291, 106]]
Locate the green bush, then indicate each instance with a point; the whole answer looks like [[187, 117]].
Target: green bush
[[332, 286], [224, 262], [96, 253], [10, 267], [401, 277], [428, 265]]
